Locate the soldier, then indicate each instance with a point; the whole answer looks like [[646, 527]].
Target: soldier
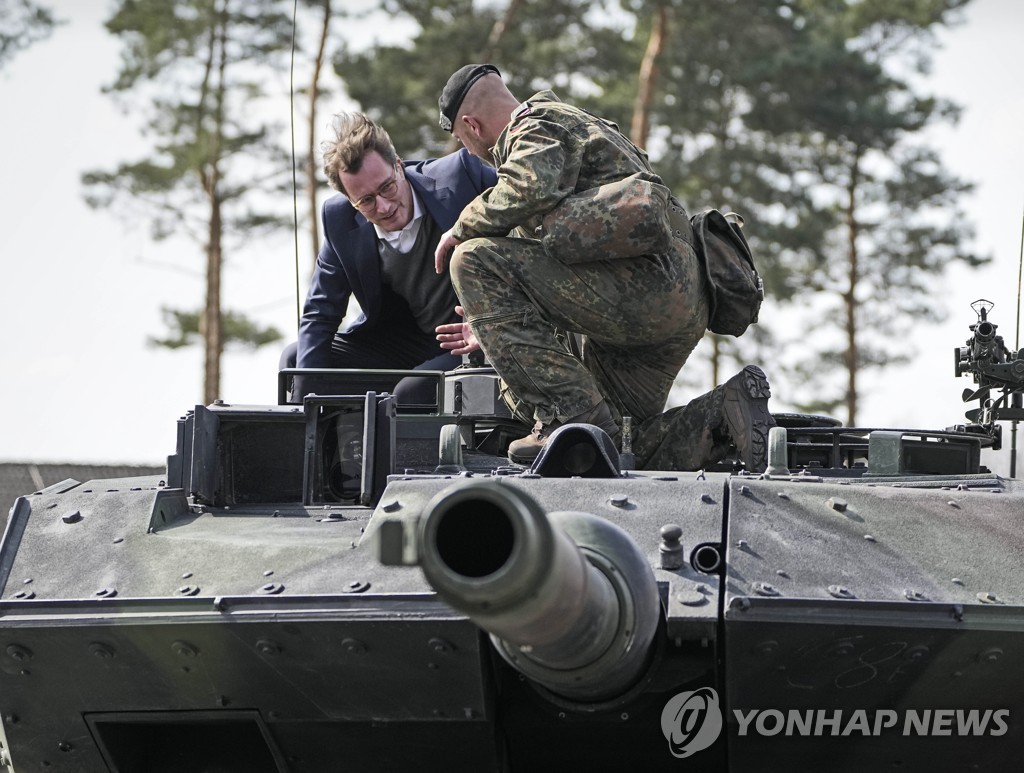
[[639, 317]]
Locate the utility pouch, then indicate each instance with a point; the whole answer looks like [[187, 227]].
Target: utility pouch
[[624, 219], [736, 288]]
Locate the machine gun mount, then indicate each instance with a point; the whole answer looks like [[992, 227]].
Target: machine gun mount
[[993, 365]]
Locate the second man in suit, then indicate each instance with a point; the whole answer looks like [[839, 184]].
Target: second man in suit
[[380, 233]]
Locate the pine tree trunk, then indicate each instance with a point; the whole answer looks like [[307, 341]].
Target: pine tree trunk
[[213, 334], [498, 30], [648, 79], [314, 95]]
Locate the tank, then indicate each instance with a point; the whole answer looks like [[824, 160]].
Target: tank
[[352, 584]]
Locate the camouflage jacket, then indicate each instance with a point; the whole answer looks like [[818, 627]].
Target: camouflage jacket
[[548, 150]]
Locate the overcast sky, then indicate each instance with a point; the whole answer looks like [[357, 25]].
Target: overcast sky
[[80, 291]]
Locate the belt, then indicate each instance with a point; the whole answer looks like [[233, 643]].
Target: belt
[[679, 222]]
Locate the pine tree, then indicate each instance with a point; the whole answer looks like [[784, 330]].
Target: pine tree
[[563, 44], [196, 69], [844, 105], [22, 23]]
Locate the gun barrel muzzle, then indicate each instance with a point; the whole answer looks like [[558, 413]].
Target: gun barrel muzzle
[[568, 598]]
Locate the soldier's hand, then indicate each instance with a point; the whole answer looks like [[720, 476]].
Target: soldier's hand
[[444, 247], [457, 337]]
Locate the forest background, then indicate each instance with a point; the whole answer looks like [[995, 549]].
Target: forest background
[[875, 216]]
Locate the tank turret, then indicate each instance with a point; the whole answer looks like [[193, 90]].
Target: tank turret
[[362, 583]]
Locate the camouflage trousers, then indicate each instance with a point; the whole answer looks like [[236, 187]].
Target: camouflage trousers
[[689, 437], [639, 318]]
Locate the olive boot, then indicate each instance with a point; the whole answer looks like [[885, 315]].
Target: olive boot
[[747, 417], [525, 450]]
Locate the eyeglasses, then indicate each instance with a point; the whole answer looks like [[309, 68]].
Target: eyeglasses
[[387, 190]]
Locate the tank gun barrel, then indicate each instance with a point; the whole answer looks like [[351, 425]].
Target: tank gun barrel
[[568, 598]]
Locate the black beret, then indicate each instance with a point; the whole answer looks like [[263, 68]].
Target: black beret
[[457, 87]]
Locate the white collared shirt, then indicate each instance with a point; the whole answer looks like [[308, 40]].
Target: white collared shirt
[[404, 239]]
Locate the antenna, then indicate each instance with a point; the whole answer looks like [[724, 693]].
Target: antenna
[[295, 183], [1020, 274], [1016, 345]]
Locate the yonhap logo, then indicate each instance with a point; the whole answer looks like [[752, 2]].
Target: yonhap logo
[[691, 721]]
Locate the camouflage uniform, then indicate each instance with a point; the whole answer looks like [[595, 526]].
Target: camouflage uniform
[[704, 430], [639, 317]]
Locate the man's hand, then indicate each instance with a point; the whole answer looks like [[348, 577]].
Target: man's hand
[[457, 337], [445, 246]]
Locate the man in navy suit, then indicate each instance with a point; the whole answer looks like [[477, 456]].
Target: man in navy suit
[[380, 235]]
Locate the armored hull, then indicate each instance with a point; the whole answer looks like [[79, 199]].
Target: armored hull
[[355, 585]]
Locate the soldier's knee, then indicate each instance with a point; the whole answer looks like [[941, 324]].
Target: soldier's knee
[[458, 259], [466, 256]]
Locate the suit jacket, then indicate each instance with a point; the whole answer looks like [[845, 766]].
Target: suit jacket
[[349, 261]]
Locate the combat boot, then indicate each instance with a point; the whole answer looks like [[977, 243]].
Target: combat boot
[[525, 450], [747, 417]]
